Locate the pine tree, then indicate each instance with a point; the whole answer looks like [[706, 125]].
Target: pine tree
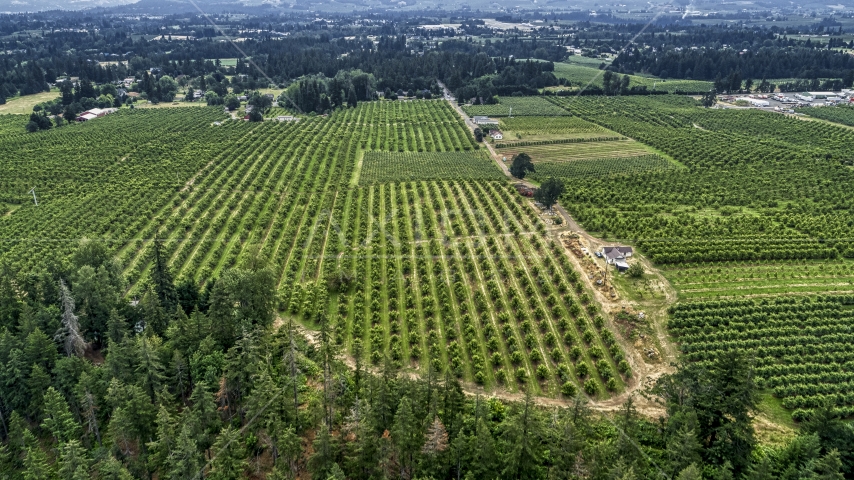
[[683, 450], [120, 431], [14, 377], [36, 466], [288, 446], [161, 279], [117, 328], [205, 418], [180, 375], [186, 461], [149, 371], [523, 458], [691, 472], [163, 445], [407, 437], [336, 473], [37, 384], [323, 459], [112, 469], [828, 467], [362, 442], [155, 317], [57, 417], [229, 457], [73, 461], [39, 349], [484, 459], [7, 465], [761, 470], [19, 439], [453, 400]]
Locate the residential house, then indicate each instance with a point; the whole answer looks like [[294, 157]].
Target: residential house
[[617, 256], [616, 252]]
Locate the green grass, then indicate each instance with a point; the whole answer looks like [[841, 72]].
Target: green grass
[[642, 289], [24, 105], [602, 167], [773, 408], [522, 106], [761, 278], [581, 76], [587, 61], [569, 152], [562, 127], [225, 62]]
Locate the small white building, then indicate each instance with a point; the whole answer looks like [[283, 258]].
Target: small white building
[[94, 113], [755, 102], [287, 118], [821, 95]]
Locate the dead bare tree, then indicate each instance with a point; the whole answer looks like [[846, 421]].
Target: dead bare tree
[[69, 332]]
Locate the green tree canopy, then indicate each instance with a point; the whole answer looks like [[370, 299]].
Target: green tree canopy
[[549, 192], [521, 165]]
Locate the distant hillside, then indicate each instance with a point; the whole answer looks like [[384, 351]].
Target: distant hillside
[[18, 6]]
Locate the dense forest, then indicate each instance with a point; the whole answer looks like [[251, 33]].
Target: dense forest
[[766, 62], [188, 384]]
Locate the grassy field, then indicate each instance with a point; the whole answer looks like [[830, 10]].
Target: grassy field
[[602, 166], [225, 62], [24, 105], [761, 278], [587, 61], [521, 106], [550, 128], [582, 75], [579, 151]]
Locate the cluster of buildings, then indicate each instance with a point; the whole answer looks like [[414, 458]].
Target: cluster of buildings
[[782, 101]]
